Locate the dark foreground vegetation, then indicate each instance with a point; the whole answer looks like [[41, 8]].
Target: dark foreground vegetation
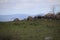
[[37, 28]]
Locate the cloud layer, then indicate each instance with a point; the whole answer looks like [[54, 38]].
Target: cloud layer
[[8, 7]]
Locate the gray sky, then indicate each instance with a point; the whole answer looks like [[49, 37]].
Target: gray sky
[[30, 7]]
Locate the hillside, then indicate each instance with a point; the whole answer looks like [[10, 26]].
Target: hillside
[[30, 30]]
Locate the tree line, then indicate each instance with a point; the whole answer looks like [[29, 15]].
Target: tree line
[[47, 16]]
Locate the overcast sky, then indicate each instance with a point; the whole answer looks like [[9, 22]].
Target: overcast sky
[[30, 7]]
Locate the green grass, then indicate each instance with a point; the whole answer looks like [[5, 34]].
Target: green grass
[[30, 30]]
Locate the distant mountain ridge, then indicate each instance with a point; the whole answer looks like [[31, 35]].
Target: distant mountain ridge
[[12, 17]]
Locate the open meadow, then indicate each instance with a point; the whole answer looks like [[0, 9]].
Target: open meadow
[[40, 29]]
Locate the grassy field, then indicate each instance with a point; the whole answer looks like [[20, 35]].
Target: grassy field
[[30, 30]]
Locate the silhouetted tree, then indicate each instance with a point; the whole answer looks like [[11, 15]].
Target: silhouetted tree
[[16, 19], [38, 17], [29, 18], [58, 15], [50, 16], [35, 17]]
